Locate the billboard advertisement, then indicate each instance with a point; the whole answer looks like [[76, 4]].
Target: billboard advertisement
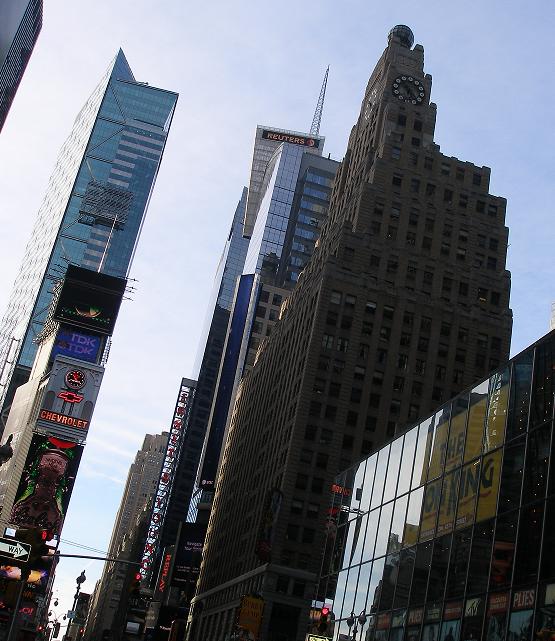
[[46, 484], [292, 139], [250, 617], [188, 554], [79, 345], [177, 432], [90, 300], [69, 398]]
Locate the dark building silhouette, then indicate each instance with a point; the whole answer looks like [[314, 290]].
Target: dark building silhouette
[[404, 303]]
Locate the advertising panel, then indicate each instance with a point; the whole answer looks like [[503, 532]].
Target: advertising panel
[[69, 398], [188, 554], [90, 300], [164, 576], [250, 617], [292, 139], [69, 342], [497, 410], [46, 483], [177, 432], [489, 486]]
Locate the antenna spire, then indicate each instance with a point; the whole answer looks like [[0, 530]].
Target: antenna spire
[[315, 128]]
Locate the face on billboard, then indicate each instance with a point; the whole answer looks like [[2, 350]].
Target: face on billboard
[[46, 484]]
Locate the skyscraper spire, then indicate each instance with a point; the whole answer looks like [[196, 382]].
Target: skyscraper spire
[[315, 128]]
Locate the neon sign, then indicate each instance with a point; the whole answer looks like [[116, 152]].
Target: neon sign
[[177, 431]]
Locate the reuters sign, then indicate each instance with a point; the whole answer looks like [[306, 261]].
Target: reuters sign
[[292, 139]]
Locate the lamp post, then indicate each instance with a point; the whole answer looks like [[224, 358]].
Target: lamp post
[[353, 621], [79, 580]]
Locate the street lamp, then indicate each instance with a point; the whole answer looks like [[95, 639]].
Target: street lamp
[[79, 580], [352, 621]]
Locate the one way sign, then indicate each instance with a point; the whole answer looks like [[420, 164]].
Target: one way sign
[[16, 550]]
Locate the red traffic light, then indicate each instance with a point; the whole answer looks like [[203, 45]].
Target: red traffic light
[[325, 610], [138, 576]]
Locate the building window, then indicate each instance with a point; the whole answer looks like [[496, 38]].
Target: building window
[[370, 307], [397, 180], [414, 185], [415, 141], [374, 261], [480, 206], [330, 412], [350, 300], [398, 383], [428, 163], [359, 372], [402, 361], [420, 366], [327, 341], [401, 120], [482, 294], [448, 196], [342, 344], [335, 298], [302, 482], [356, 394], [463, 289], [352, 418], [426, 243], [492, 263]]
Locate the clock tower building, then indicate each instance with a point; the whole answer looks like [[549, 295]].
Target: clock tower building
[[404, 303]]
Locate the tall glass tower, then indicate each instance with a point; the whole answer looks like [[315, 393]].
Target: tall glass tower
[[20, 25], [93, 209]]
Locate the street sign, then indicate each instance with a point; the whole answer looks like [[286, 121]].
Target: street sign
[[315, 637], [70, 615], [15, 550]]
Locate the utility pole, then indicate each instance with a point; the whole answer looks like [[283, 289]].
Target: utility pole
[[12, 634]]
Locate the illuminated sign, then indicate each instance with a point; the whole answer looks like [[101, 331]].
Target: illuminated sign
[[46, 484], [250, 615], [69, 398], [84, 347], [90, 300], [63, 419], [292, 139], [177, 433], [188, 553]]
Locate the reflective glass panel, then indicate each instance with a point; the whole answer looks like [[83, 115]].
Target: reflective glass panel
[[374, 585], [371, 531], [448, 505], [476, 421], [379, 481], [438, 572], [468, 492], [478, 572], [407, 461], [397, 524], [393, 470], [519, 398], [358, 484], [458, 564], [439, 448], [362, 589], [497, 410], [406, 565], [455, 447], [511, 477], [368, 482], [503, 551], [528, 545], [410, 531], [537, 464], [421, 572], [383, 530], [423, 450], [489, 485], [544, 383], [430, 510]]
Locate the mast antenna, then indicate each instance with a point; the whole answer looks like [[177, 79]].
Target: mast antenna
[[315, 128]]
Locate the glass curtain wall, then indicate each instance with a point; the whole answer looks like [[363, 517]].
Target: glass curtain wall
[[447, 532]]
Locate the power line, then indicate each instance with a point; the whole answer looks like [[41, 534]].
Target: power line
[[80, 545]]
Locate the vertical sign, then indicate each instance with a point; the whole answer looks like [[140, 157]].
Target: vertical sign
[[178, 429]]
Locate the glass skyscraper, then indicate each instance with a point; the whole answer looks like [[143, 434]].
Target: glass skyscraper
[[20, 25], [93, 209], [447, 532]]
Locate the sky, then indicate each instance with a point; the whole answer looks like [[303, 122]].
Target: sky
[[236, 65]]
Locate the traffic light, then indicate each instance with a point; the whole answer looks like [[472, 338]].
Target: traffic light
[[56, 631], [36, 538], [135, 585], [323, 623]]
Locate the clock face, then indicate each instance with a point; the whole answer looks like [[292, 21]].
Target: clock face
[[75, 379], [408, 89]]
